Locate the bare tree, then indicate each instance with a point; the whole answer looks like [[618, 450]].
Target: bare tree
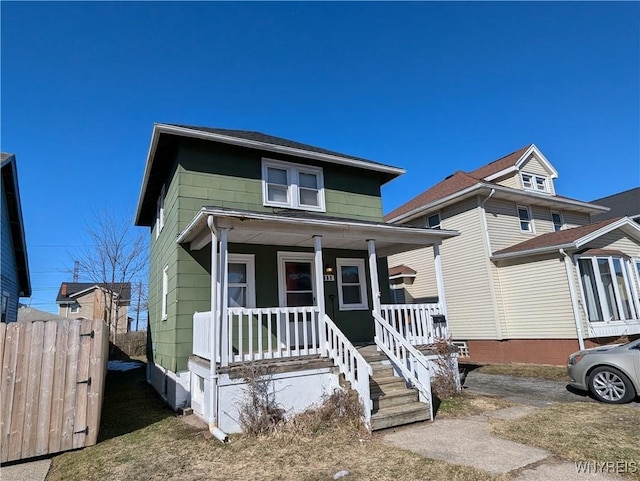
[[114, 255]]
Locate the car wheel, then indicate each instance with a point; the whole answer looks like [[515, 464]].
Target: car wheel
[[609, 385]]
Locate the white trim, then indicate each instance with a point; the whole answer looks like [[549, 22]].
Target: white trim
[[165, 292], [362, 276], [532, 229], [402, 276], [74, 308], [574, 299], [560, 216], [160, 211], [284, 256], [533, 182], [438, 225], [293, 172], [523, 158], [437, 262], [249, 260]]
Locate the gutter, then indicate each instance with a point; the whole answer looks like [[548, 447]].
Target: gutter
[[574, 300]]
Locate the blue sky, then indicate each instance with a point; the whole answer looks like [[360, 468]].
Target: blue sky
[[430, 87]]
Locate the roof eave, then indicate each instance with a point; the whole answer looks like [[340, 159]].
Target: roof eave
[[532, 252]]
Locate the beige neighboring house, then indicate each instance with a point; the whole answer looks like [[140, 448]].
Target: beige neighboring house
[[530, 278], [90, 300]]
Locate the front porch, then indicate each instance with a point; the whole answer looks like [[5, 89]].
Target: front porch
[[324, 275]]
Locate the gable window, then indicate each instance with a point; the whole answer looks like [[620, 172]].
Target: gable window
[[433, 221], [352, 287], [524, 214], [160, 212], [556, 218], [292, 186], [241, 278], [607, 288], [534, 182], [165, 291]]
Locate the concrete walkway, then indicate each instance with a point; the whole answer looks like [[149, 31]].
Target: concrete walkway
[[468, 441], [26, 471]]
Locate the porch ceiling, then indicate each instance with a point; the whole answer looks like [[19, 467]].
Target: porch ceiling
[[298, 229]]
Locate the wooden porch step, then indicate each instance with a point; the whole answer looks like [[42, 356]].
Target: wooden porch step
[[398, 397], [399, 415], [385, 384]]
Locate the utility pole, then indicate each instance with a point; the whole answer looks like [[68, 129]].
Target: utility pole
[[76, 270], [138, 308]]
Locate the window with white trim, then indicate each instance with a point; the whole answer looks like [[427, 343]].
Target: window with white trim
[[524, 215], [292, 186], [75, 308], [165, 291], [607, 288], [433, 221], [556, 218], [241, 279], [352, 285], [160, 211], [538, 183]]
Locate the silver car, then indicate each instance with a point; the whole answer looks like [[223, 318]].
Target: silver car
[[611, 373]]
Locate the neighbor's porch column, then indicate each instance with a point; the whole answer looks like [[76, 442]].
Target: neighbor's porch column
[[439, 278], [375, 286], [224, 296], [319, 268]]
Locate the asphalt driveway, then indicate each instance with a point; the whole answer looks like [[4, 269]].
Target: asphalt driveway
[[525, 390]]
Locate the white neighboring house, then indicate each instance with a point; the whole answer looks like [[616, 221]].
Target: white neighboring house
[[530, 278]]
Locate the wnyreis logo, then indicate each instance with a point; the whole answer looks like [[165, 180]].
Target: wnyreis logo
[[608, 467]]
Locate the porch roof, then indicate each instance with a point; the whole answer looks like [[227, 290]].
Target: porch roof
[[296, 228]]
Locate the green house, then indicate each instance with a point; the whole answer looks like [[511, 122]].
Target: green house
[[285, 243]]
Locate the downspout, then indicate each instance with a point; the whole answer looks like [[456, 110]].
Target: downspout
[[574, 301], [213, 374], [484, 221]]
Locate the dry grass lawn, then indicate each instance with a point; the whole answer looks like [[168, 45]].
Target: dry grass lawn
[[580, 432], [550, 373], [467, 404], [141, 440]]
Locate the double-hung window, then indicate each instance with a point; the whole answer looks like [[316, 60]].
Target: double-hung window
[[160, 212], [241, 278], [352, 286], [292, 186], [538, 183], [524, 215], [607, 288], [556, 218]]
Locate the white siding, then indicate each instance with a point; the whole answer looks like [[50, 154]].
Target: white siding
[[504, 225], [537, 299], [574, 219], [424, 284], [512, 181], [466, 277], [616, 240]]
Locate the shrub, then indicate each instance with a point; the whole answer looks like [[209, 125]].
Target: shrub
[[446, 380]]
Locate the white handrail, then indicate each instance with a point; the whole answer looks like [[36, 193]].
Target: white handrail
[[413, 366], [415, 321], [351, 364]]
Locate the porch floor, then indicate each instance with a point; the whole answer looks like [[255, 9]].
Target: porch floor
[[237, 370], [370, 352]]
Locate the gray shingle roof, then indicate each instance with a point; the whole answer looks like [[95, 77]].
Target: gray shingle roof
[[75, 287]]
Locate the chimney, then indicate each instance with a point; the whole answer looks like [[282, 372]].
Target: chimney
[[63, 290]]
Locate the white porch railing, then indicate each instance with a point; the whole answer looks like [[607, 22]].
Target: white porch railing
[[414, 322], [255, 334], [351, 364], [413, 366]]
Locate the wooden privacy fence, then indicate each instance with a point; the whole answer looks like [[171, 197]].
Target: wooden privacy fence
[[51, 386]]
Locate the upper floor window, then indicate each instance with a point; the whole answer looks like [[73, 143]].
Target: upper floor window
[[160, 212], [524, 214], [75, 308], [433, 221], [292, 185], [556, 218], [534, 182]]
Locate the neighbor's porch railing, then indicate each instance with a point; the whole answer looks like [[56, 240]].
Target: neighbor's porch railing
[[415, 322], [260, 333]]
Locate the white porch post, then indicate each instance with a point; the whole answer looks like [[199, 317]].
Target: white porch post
[[439, 278], [213, 330], [224, 297], [319, 267], [375, 285]]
